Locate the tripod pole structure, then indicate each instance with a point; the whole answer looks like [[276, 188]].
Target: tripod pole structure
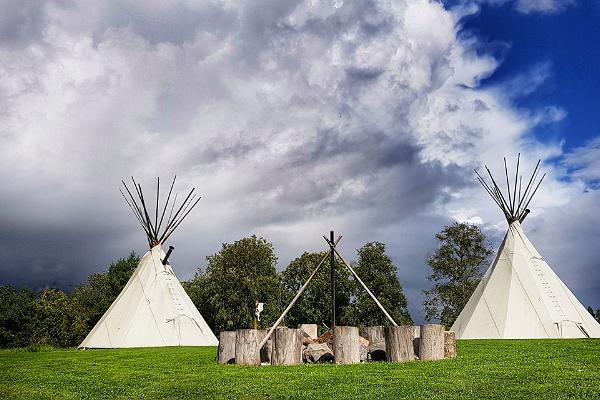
[[332, 277]]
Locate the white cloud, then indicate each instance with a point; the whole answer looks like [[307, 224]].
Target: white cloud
[[584, 162], [543, 6], [533, 6], [291, 119]]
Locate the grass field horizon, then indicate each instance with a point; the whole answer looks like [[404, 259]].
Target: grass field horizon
[[484, 369]]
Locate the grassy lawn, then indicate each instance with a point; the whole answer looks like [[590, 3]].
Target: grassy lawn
[[484, 369]]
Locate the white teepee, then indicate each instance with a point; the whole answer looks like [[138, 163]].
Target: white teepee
[[153, 309], [520, 297]]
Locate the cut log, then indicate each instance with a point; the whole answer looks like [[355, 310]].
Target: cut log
[[377, 352], [374, 334], [318, 352], [417, 335], [287, 346], [431, 343], [346, 348], [309, 329], [364, 348], [449, 344], [399, 343], [226, 353], [266, 350], [246, 346], [376, 337]]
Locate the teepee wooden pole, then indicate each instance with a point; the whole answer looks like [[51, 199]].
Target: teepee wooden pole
[[166, 203], [508, 188], [515, 211]]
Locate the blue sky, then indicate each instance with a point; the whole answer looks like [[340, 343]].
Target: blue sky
[[567, 44]]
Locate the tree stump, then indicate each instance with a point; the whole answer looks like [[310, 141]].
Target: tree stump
[[373, 334], [226, 354], [246, 346], [346, 348], [399, 343], [417, 335], [376, 337], [310, 330], [431, 342], [287, 346], [449, 344]]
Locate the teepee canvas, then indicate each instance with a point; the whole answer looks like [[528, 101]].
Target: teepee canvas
[[519, 296], [153, 309]]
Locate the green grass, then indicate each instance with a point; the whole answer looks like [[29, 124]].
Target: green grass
[[484, 369]]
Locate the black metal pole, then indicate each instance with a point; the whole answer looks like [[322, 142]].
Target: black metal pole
[[332, 277], [166, 259]]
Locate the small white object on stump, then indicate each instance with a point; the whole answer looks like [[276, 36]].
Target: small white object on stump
[[431, 342], [226, 354], [246, 346], [346, 348], [287, 347], [309, 329], [399, 343], [449, 344]]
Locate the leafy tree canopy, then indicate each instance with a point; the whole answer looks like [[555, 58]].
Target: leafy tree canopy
[[235, 277], [314, 306], [456, 269], [377, 271]]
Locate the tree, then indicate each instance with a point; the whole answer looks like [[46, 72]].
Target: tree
[[591, 311], [314, 306], [52, 319], [16, 315], [235, 278], [120, 271], [378, 272], [456, 270]]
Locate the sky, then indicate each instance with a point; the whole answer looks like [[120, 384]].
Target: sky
[[292, 118]]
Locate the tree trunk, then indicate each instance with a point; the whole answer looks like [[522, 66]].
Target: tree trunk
[[310, 330], [399, 343], [449, 344], [246, 346], [287, 346], [346, 348], [431, 343], [226, 353]]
